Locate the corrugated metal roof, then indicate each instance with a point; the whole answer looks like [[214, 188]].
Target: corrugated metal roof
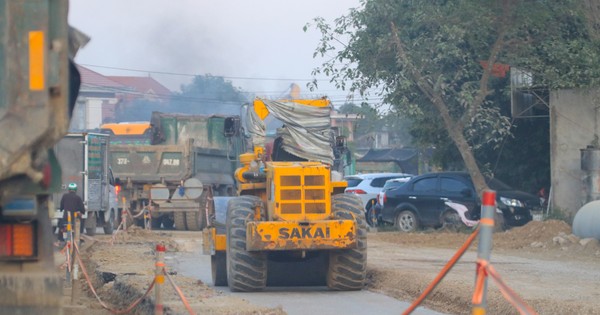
[[388, 155]]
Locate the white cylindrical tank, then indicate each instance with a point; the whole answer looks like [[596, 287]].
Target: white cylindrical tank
[[586, 223]]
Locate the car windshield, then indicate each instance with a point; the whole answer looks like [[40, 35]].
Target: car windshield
[[496, 184], [353, 182], [392, 184]]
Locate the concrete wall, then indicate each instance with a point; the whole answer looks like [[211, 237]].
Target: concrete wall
[[573, 124]]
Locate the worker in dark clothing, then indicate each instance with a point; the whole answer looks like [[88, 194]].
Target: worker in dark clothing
[[71, 203]]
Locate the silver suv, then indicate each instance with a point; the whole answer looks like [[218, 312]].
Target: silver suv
[[367, 186]]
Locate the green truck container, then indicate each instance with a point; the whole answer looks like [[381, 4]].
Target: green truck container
[[170, 179]]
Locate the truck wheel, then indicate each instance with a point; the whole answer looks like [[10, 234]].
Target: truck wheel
[[91, 224], [348, 267], [156, 222], [108, 224], [218, 265], [194, 220], [167, 222], [246, 271], [179, 218]]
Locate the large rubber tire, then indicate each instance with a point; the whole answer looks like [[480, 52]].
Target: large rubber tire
[[246, 271], [348, 267], [194, 221], [179, 218], [91, 224], [406, 221], [218, 265], [109, 224]]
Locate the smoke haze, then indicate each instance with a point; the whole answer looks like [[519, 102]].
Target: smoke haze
[[232, 38]]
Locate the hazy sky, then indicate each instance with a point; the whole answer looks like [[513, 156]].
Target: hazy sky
[[230, 38]]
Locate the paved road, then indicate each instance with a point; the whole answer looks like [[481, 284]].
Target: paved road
[[299, 300]]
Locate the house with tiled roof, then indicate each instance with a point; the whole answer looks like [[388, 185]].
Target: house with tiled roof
[[145, 87], [97, 100], [100, 96]]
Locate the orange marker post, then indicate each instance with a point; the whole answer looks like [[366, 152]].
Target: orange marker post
[[484, 249], [159, 279]]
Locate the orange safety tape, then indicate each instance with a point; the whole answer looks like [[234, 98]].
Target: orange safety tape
[[62, 251], [442, 273], [511, 296], [487, 221], [181, 296], [114, 236], [479, 282], [137, 215], [87, 278]]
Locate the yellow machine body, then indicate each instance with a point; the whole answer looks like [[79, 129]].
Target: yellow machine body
[[298, 214], [297, 198]]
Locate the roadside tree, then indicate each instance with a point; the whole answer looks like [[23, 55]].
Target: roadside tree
[[436, 62]]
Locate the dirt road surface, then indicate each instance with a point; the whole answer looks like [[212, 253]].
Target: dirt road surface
[[551, 269]]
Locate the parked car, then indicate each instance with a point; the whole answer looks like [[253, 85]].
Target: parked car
[[421, 202], [367, 186], [374, 213]]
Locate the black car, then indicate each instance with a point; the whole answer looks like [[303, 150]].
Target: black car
[[421, 202]]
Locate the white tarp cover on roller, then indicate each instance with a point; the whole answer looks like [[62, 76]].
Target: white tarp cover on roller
[[306, 132]]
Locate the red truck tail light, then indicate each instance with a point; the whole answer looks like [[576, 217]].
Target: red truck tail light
[[384, 198], [356, 191], [17, 241]]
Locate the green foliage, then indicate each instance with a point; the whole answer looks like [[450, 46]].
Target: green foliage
[[206, 95], [212, 88], [427, 59]]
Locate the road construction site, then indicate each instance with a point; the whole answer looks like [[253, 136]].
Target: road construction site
[[549, 268]]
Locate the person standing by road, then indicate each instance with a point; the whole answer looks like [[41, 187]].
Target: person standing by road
[[71, 203]]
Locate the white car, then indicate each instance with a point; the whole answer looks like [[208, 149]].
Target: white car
[[367, 186]]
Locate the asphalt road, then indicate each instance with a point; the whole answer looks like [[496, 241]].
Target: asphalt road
[[299, 300]]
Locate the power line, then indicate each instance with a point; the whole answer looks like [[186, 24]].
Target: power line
[[332, 98], [194, 75]]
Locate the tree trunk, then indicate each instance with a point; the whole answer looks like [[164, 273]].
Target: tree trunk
[[467, 154], [454, 127]]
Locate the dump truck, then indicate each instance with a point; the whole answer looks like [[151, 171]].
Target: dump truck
[[290, 223], [83, 157], [38, 89], [169, 175]]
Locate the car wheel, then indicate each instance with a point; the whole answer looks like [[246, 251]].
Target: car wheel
[[406, 221], [451, 220]]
